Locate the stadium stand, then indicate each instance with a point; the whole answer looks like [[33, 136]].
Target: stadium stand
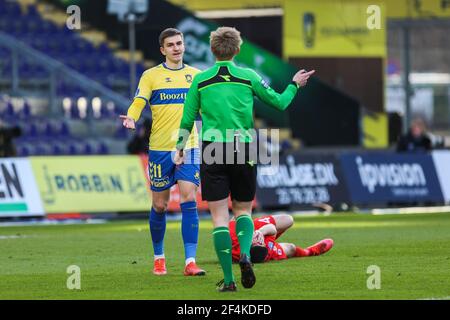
[[64, 126], [68, 128]]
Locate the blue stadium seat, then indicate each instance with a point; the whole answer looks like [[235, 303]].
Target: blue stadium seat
[[40, 150], [121, 132], [103, 49], [32, 11], [33, 130], [106, 113], [23, 150], [41, 136], [49, 130], [74, 112], [57, 149], [4, 53], [25, 112], [102, 148], [64, 131], [73, 149], [87, 149], [11, 9], [9, 112]]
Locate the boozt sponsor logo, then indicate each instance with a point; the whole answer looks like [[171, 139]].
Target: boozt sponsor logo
[[173, 96], [168, 96], [390, 175]]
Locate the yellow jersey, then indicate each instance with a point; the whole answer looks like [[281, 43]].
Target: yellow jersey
[[164, 90]]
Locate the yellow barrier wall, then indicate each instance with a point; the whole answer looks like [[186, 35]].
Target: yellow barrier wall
[[91, 183]]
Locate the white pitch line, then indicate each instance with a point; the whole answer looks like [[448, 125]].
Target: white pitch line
[[441, 298], [412, 210], [11, 237]]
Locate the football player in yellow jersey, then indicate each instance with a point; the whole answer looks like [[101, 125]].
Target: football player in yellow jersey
[[164, 89]]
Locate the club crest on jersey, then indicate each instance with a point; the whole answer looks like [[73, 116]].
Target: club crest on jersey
[[188, 78], [168, 79]]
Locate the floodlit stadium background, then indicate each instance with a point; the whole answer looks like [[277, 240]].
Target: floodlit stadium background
[[69, 68]]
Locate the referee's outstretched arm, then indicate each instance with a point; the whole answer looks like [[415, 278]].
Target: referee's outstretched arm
[[280, 101]]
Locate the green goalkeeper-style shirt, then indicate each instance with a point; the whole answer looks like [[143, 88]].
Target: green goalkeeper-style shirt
[[223, 94]]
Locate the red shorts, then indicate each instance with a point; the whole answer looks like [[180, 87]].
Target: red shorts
[[276, 252]]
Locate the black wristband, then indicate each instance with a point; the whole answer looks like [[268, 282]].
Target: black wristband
[[295, 84]]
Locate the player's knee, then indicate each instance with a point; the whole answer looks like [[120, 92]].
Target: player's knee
[[160, 205], [284, 221], [240, 207], [188, 192], [292, 249], [289, 220], [289, 249], [188, 196]]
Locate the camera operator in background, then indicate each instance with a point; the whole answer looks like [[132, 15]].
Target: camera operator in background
[[7, 134]]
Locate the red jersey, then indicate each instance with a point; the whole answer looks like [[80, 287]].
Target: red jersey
[[275, 252]]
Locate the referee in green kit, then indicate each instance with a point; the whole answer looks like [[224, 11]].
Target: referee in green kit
[[223, 94]]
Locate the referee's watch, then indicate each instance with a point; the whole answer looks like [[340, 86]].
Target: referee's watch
[[295, 84]]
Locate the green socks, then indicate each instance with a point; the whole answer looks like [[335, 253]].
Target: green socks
[[222, 244], [244, 231]]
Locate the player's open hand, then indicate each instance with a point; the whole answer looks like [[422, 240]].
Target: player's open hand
[[301, 77], [128, 122], [179, 157]]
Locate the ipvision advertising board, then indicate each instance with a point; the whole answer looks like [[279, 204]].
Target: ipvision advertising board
[[389, 178]]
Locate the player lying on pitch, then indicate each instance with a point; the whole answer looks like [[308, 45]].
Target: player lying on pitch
[[264, 245]]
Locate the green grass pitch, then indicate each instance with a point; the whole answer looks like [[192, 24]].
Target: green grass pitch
[[412, 252]]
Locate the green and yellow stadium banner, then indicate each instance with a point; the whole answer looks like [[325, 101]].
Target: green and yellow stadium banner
[[91, 183], [418, 9], [346, 28], [329, 28], [394, 8], [227, 5]]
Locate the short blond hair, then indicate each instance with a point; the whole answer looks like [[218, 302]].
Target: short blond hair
[[225, 42]]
